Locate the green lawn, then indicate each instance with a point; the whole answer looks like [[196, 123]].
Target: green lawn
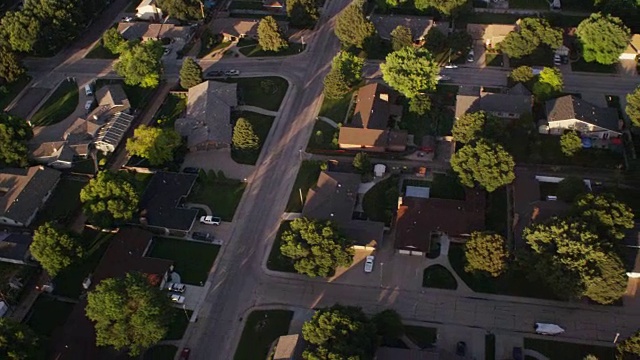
[[47, 314], [423, 337], [437, 276], [529, 4], [261, 125], [264, 92], [221, 195], [100, 52], [445, 186], [260, 331], [8, 92], [138, 96], [161, 352], [277, 261], [307, 178], [496, 216], [494, 59], [179, 323], [559, 350], [63, 202], [542, 56], [256, 50], [192, 260], [336, 109], [171, 109], [58, 106], [323, 136], [381, 200], [582, 65], [485, 18]]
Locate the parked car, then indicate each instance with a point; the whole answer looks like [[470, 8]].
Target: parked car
[[177, 288], [461, 348], [197, 235], [451, 66], [368, 263], [557, 61], [184, 355], [214, 73], [88, 104], [232, 72], [470, 56], [565, 59], [191, 170], [178, 299], [210, 220], [127, 19], [442, 78]]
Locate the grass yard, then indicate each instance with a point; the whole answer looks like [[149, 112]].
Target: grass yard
[[161, 352], [192, 260], [496, 216], [493, 59], [261, 125], [307, 178], [47, 314], [260, 331], [221, 195], [381, 200], [138, 96], [438, 121], [263, 92], [559, 350], [256, 50], [178, 324], [277, 261], [582, 65], [59, 105], [336, 109], [171, 109], [423, 337], [542, 56], [63, 202], [8, 92], [529, 4], [100, 52], [323, 136], [445, 186], [437, 276], [549, 152], [485, 18]]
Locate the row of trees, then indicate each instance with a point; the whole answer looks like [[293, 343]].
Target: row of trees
[[544, 86], [445, 7]]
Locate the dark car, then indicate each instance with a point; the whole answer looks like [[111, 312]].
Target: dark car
[[461, 348], [191, 170], [184, 355], [197, 235], [215, 73]]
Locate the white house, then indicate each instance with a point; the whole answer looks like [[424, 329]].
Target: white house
[[571, 113], [147, 10]]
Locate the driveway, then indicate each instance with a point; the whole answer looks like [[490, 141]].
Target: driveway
[[218, 160], [627, 68], [221, 232]]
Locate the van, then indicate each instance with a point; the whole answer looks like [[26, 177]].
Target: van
[[87, 90]]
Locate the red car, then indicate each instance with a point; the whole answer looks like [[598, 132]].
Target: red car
[[185, 354]]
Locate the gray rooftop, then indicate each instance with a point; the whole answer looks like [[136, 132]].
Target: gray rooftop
[[571, 107], [14, 246], [517, 100], [115, 129], [333, 198], [22, 190], [162, 200]]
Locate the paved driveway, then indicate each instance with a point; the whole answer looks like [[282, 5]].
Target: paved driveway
[[221, 232], [218, 160]]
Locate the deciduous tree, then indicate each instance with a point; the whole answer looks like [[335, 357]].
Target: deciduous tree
[[317, 248], [609, 282], [190, 73], [473, 126], [606, 214], [486, 253], [182, 9], [18, 341], [141, 65], [633, 106], [401, 37], [335, 85], [603, 38], [483, 163], [54, 249], [521, 74], [362, 163], [113, 41], [270, 35], [446, 7], [570, 188], [244, 137], [548, 84], [410, 71], [20, 30], [352, 28], [420, 104], [629, 346], [531, 33], [435, 40], [14, 134], [128, 313], [303, 13], [346, 72], [10, 66], [109, 197], [570, 143], [154, 144]]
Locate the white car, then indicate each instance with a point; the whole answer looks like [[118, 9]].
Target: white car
[[232, 72], [177, 288], [451, 66], [368, 263], [178, 299], [442, 78], [470, 56], [210, 220]]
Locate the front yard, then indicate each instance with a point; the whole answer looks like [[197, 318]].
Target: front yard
[[437, 276], [192, 260], [63, 202], [307, 178], [256, 50], [178, 325], [222, 195], [138, 96], [565, 350], [261, 126], [493, 59], [263, 92], [336, 109], [277, 261], [260, 331], [59, 105], [381, 200], [170, 110], [323, 137], [100, 52], [496, 215], [161, 352]]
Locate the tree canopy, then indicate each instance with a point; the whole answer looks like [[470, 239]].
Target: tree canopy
[[420, 104], [10, 66], [446, 7], [521, 74], [435, 40], [605, 214], [410, 71], [55, 249], [531, 33], [352, 28], [317, 248], [14, 134], [190, 73], [20, 30], [141, 65], [128, 313], [181, 9], [18, 341], [303, 13], [570, 143], [109, 197], [362, 163], [270, 35], [339, 332], [346, 72], [633, 106], [487, 253], [630, 345], [603, 38], [473, 126], [113, 41], [548, 84], [244, 137], [401, 37], [484, 163], [154, 144], [570, 188]]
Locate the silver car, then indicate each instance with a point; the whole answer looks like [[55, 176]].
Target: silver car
[[368, 263]]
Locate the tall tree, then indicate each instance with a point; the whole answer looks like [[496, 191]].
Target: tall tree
[[113, 41], [54, 249], [18, 341], [521, 74], [14, 134], [633, 106], [352, 28], [109, 197], [486, 253], [190, 73], [420, 104], [630, 345], [446, 7], [20, 30], [570, 188], [605, 214], [609, 283], [339, 332], [603, 38], [244, 137], [473, 126], [570, 143], [410, 71], [303, 13], [154, 144], [129, 313], [141, 65], [401, 37], [346, 72], [435, 40], [270, 35], [182, 9], [335, 85], [362, 163], [484, 163], [531, 33], [10, 66], [548, 84], [317, 248]]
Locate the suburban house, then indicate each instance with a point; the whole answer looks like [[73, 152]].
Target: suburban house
[[14, 247], [633, 50], [420, 218], [112, 115], [149, 31], [419, 25], [334, 198], [372, 127], [289, 347], [512, 104], [125, 254], [163, 203], [572, 113], [207, 123], [234, 29], [23, 192], [490, 34], [147, 10]]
